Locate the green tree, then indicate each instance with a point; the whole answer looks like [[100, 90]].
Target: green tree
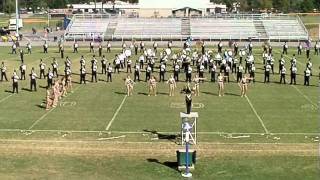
[[307, 5], [9, 6]]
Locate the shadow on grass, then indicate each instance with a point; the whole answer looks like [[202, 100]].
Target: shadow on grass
[[210, 93], [169, 137], [172, 165], [25, 89], [121, 93]]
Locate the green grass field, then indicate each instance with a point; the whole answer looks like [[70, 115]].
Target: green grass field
[[271, 113]]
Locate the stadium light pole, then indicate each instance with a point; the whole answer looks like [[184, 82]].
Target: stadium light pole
[[17, 18]]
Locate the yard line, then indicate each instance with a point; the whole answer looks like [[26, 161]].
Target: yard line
[[4, 99], [43, 116], [137, 142], [161, 132], [116, 113], [306, 97], [254, 110]]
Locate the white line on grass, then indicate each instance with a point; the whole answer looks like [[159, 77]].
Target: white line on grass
[[4, 99], [43, 116], [306, 97], [144, 132], [116, 113], [254, 110]]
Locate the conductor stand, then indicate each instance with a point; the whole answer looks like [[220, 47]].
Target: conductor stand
[[190, 120], [187, 128]]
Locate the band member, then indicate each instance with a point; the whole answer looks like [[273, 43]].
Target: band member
[[293, 74], [234, 65], [307, 74], [172, 85], [68, 78], [155, 47], [42, 66], [244, 85], [124, 45], [170, 44], [252, 72], [188, 91], [21, 52], [55, 67], [49, 99], [308, 52], [136, 47], [82, 61], [29, 48], [188, 74], [50, 77], [75, 47], [109, 73], [235, 48], [129, 85], [45, 47], [33, 78], [203, 47], [108, 47], [141, 61], [285, 48], [270, 49], [94, 68], [239, 72], [3, 72], [267, 70], [129, 63], [117, 63], [62, 51], [103, 65], [220, 47], [67, 63], [250, 47], [221, 84], [162, 72], [282, 62], [213, 73], [283, 75], [23, 69], [201, 70], [83, 74], [148, 73], [91, 45], [14, 48], [196, 81], [176, 72], [152, 86], [227, 72], [316, 49], [100, 50], [15, 78], [299, 48], [137, 72]]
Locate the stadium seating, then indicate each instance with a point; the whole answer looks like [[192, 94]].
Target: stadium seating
[[148, 28], [222, 28], [121, 28], [284, 29]]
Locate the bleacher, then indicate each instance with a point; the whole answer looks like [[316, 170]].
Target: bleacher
[[238, 27], [284, 29], [141, 28], [203, 28]]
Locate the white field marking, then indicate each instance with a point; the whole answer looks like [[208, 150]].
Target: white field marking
[[306, 97], [67, 103], [143, 132], [254, 110], [5, 98], [181, 105], [143, 142], [43, 116], [116, 113]]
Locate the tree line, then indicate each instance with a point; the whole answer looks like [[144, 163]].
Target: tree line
[[285, 6]]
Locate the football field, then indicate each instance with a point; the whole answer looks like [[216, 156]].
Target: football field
[[271, 113]]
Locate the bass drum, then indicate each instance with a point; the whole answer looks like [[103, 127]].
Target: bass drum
[[168, 51], [128, 53]]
